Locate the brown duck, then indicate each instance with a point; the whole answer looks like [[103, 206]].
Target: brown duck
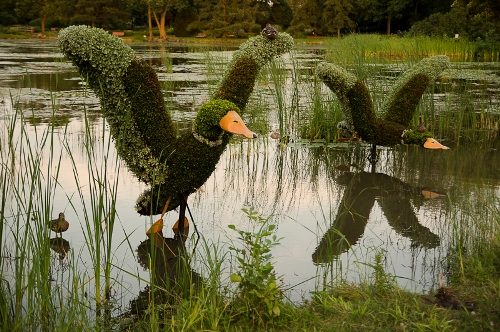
[[60, 224]]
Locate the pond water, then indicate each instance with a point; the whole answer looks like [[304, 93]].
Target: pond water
[[405, 206]]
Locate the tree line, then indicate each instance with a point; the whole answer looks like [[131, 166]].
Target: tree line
[[241, 18]]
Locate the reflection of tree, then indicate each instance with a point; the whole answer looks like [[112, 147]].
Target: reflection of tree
[[171, 275], [394, 198]]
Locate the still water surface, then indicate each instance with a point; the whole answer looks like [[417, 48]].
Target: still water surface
[[306, 189]]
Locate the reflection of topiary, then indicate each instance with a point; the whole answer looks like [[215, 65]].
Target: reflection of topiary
[[133, 104], [402, 102]]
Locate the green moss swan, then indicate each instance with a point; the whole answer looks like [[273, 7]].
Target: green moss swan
[[398, 110], [133, 105]]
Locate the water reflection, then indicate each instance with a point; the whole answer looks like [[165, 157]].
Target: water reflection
[[171, 274], [60, 246], [394, 197]]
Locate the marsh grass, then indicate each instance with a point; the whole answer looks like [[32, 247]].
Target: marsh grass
[[30, 168], [370, 46], [38, 293]]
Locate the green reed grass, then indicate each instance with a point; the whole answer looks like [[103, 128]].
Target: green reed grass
[[30, 168], [99, 214], [370, 46]]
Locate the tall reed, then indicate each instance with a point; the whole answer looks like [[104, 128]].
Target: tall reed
[[370, 46], [36, 296]]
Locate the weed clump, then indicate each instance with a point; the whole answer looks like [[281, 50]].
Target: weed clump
[[259, 296]]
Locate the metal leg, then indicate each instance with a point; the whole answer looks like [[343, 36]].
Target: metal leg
[[182, 212]]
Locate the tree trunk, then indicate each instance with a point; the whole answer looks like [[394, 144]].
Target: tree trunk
[[338, 33], [43, 24], [163, 33], [389, 23], [150, 24], [161, 24]]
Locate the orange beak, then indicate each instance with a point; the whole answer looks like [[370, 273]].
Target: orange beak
[[431, 143], [232, 123]]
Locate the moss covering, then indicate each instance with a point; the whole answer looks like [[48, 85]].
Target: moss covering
[[238, 84], [340, 81], [103, 60], [152, 118], [405, 101], [262, 51], [192, 161], [209, 116], [402, 102], [414, 137], [132, 101], [388, 133], [406, 92], [362, 111]]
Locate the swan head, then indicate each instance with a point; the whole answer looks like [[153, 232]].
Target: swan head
[[218, 116]]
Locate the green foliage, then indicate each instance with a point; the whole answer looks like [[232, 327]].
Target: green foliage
[[442, 24], [182, 19], [7, 18], [279, 14], [263, 50], [208, 118], [490, 44], [337, 13], [132, 101], [408, 89], [238, 81], [382, 281], [259, 295], [362, 111], [388, 133], [340, 82], [152, 118], [414, 137], [238, 84], [400, 106], [404, 101], [307, 18], [103, 60], [223, 19]]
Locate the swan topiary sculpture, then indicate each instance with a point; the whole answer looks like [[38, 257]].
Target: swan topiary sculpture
[[398, 110], [133, 105]]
